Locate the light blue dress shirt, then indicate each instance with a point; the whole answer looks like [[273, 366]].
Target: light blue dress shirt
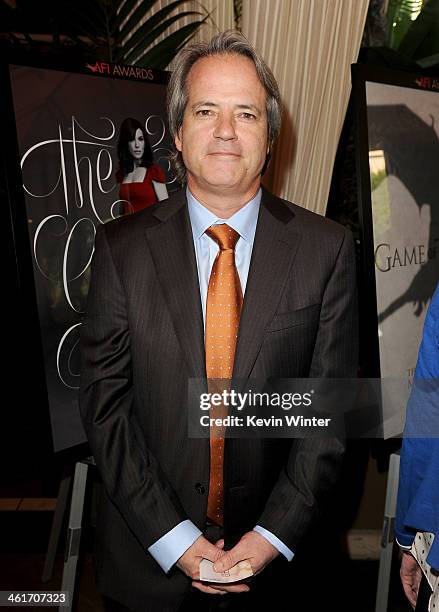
[[169, 548]]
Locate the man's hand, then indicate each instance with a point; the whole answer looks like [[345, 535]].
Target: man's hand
[[217, 589], [252, 546], [411, 575], [189, 562]]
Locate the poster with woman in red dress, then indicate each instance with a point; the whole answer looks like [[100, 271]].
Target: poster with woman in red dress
[[141, 181]]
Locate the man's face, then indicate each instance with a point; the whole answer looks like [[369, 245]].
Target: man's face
[[223, 138]]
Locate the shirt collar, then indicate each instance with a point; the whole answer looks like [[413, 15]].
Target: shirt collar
[[243, 221]]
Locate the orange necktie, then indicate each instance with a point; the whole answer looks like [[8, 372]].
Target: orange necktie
[[223, 310]]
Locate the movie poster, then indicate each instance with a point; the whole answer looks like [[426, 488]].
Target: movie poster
[[403, 138], [83, 140]]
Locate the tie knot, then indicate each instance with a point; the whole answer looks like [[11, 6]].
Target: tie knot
[[224, 235]]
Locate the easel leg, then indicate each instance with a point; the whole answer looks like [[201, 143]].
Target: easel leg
[[58, 517], [74, 531], [388, 535]]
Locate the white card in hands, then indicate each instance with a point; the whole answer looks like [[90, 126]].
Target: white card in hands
[[238, 572]]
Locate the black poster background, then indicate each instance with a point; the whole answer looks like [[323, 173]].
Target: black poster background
[[67, 130]]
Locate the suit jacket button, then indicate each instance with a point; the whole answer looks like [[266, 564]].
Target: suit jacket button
[[199, 488]]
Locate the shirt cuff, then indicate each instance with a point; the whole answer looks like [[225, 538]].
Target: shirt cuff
[[169, 548], [402, 546], [287, 553]]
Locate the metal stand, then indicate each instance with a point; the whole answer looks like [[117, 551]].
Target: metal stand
[[388, 536], [74, 528], [60, 510]]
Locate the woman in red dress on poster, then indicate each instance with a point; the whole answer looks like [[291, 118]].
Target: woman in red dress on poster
[[142, 182]]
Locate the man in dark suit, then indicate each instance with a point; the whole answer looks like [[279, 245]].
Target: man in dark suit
[[143, 338]]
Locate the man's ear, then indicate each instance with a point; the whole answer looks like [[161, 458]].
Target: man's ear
[[177, 140]]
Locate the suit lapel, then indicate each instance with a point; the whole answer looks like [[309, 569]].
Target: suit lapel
[[274, 250], [171, 244]]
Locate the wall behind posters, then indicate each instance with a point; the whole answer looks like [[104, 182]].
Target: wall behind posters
[[67, 130]]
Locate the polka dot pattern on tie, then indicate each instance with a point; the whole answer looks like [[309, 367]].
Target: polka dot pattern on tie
[[223, 311], [224, 303]]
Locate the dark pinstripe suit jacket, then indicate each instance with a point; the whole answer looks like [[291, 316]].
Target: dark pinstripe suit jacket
[[142, 338]]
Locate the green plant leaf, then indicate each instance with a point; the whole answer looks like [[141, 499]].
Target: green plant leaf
[[422, 37], [152, 22], [147, 40], [399, 19], [161, 54], [137, 16], [111, 8], [94, 27], [126, 9]]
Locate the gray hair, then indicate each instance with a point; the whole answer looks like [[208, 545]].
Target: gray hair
[[224, 43]]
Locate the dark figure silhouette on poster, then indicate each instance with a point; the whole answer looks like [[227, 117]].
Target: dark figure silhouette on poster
[[391, 128]]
